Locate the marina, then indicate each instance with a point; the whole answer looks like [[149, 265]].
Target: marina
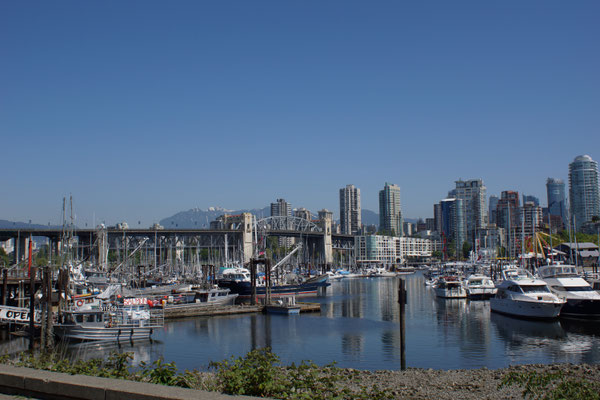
[[358, 327]]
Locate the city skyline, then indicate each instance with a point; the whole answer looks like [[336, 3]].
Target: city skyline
[[141, 110]]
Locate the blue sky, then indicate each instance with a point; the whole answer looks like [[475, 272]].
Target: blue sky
[[141, 109]]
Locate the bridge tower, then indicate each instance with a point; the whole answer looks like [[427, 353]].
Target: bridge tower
[[327, 242], [247, 231]]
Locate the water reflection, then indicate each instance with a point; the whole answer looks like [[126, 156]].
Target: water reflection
[[358, 327]]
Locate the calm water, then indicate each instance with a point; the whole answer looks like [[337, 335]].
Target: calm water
[[358, 327]]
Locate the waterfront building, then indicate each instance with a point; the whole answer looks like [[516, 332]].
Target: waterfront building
[[453, 222], [493, 203], [390, 250], [555, 190], [390, 211], [583, 190], [473, 195], [303, 213], [508, 218], [350, 210]]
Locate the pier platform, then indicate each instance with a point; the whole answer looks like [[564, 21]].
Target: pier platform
[[193, 310]]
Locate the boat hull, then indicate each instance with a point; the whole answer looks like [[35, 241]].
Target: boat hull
[[117, 334], [526, 309], [481, 293], [581, 308], [244, 289], [282, 309]]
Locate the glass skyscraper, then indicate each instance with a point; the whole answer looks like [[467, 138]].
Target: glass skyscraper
[[555, 189], [350, 210], [583, 190]]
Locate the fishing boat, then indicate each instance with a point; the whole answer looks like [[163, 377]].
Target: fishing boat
[[522, 295], [564, 281], [239, 283], [479, 287], [450, 287], [132, 320]]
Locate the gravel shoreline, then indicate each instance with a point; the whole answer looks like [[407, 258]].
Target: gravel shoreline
[[415, 383]]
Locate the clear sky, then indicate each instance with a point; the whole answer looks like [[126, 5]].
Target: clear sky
[[141, 109]]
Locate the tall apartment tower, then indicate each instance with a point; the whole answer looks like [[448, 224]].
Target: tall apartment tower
[[282, 208], [492, 204], [473, 194], [508, 216], [350, 210], [390, 211], [583, 190], [555, 189], [453, 222]]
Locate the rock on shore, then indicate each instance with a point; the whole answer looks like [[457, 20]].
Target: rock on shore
[[464, 384]]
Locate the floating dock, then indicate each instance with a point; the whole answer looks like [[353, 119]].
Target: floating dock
[[195, 310]]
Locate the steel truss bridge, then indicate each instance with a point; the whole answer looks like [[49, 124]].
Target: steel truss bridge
[[156, 246]]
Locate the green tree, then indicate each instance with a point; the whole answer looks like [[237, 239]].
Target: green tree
[[466, 249], [4, 258]]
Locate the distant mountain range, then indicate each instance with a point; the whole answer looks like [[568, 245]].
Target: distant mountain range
[[197, 218], [4, 224]]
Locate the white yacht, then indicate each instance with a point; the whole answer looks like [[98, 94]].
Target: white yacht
[[480, 287], [522, 295], [450, 287], [564, 281]]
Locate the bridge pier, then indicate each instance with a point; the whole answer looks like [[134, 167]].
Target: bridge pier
[[327, 241]]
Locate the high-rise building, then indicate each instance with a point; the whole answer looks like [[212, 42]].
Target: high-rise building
[[390, 211], [531, 218], [350, 210], [555, 189], [302, 213], [473, 194], [281, 208], [493, 203], [531, 199], [453, 222], [437, 217], [508, 217], [583, 190]]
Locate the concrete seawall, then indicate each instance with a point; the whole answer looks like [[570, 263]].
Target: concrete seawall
[[42, 384]]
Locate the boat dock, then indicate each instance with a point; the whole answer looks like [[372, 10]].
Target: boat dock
[[194, 310]]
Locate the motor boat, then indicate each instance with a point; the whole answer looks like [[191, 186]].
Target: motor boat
[[450, 287], [564, 281], [522, 295], [479, 287]]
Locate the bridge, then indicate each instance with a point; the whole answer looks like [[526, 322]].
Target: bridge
[[238, 238]]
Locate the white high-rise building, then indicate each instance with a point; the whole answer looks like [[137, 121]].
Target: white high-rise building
[[583, 190], [390, 211], [350, 210]]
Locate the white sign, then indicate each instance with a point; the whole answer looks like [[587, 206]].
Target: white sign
[[135, 302], [16, 314]]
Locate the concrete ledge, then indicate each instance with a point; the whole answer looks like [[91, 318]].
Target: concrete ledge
[[54, 385]]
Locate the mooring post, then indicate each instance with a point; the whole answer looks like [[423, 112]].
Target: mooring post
[[31, 306], [402, 303], [4, 286]]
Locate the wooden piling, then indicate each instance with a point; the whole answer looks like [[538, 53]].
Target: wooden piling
[[402, 303], [4, 286], [31, 306]]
